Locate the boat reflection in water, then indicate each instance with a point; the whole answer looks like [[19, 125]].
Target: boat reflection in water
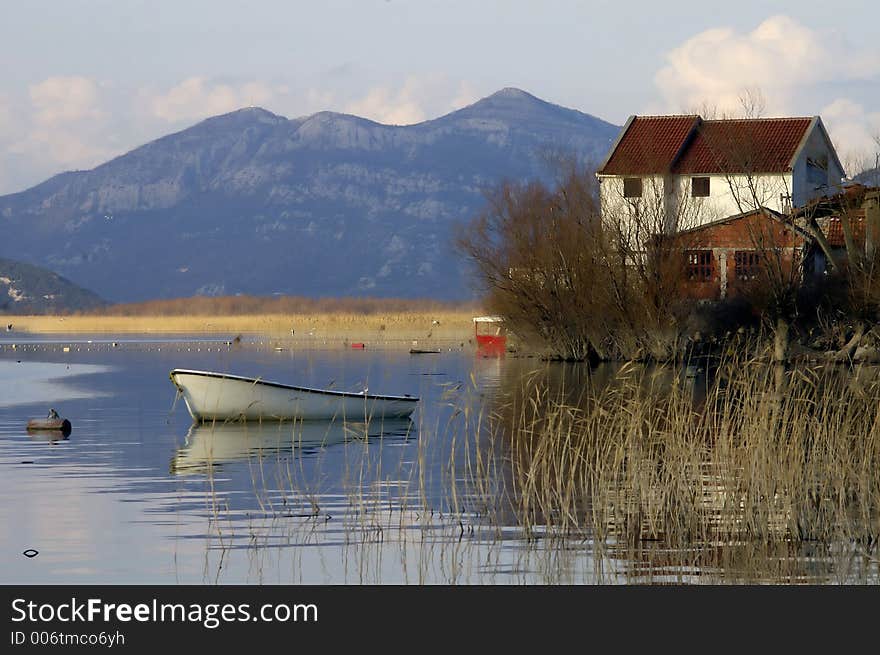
[[212, 444], [49, 436]]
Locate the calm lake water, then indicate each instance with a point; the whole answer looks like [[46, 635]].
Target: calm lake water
[[136, 494]]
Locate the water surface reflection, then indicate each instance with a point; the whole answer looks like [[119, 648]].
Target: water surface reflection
[[210, 445]]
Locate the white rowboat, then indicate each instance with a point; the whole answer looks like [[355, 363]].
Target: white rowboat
[[213, 396]]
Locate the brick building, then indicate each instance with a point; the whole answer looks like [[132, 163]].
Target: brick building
[[724, 258]]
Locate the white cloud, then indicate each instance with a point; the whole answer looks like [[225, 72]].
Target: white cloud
[[69, 148], [417, 99], [60, 100], [64, 126], [794, 66], [778, 56], [196, 98], [384, 105], [855, 131]]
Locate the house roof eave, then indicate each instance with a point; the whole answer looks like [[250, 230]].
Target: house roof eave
[[616, 143], [728, 219], [767, 211], [803, 142]]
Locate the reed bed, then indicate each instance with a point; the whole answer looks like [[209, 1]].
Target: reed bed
[[752, 454], [425, 327]]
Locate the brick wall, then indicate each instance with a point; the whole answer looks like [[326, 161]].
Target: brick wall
[[736, 249]]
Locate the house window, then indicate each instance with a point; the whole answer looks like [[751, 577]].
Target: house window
[[747, 263], [632, 187], [699, 265], [700, 187]]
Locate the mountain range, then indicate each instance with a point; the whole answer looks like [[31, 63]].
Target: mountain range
[[325, 205]]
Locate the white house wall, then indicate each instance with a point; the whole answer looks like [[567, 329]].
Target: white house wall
[[638, 218], [728, 196], [734, 194]]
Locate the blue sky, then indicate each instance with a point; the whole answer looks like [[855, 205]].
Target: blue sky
[[86, 80]]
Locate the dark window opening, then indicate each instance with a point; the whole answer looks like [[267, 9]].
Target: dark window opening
[[632, 187], [700, 187], [699, 265], [747, 263]]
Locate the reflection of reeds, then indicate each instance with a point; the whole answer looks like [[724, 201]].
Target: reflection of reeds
[[293, 504], [762, 455]]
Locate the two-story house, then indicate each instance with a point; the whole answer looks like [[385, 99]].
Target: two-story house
[[679, 172], [724, 188]]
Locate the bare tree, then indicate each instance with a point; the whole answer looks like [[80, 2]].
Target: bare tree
[[533, 251], [578, 284]]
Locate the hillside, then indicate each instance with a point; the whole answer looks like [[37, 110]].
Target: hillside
[[28, 289], [325, 205]]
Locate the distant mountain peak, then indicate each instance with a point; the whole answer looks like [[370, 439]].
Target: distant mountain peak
[[511, 104], [255, 111], [327, 116], [513, 93], [246, 115]]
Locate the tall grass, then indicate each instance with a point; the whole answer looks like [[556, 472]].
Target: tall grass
[[758, 454], [426, 328]]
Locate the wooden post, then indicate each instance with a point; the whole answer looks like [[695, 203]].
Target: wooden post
[[780, 341], [871, 206], [722, 272]]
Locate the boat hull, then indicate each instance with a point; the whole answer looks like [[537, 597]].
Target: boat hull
[[216, 396]]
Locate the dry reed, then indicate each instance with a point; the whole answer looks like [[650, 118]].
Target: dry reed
[[442, 328], [760, 454]]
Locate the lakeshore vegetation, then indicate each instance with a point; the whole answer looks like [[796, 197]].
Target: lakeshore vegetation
[[741, 471], [368, 320]]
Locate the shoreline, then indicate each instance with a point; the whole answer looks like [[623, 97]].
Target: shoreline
[[397, 330]]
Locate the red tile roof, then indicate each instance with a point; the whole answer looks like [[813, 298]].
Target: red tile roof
[[834, 230], [688, 144], [763, 145], [649, 145]]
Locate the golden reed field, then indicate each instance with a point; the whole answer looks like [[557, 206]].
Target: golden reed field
[[376, 322]]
